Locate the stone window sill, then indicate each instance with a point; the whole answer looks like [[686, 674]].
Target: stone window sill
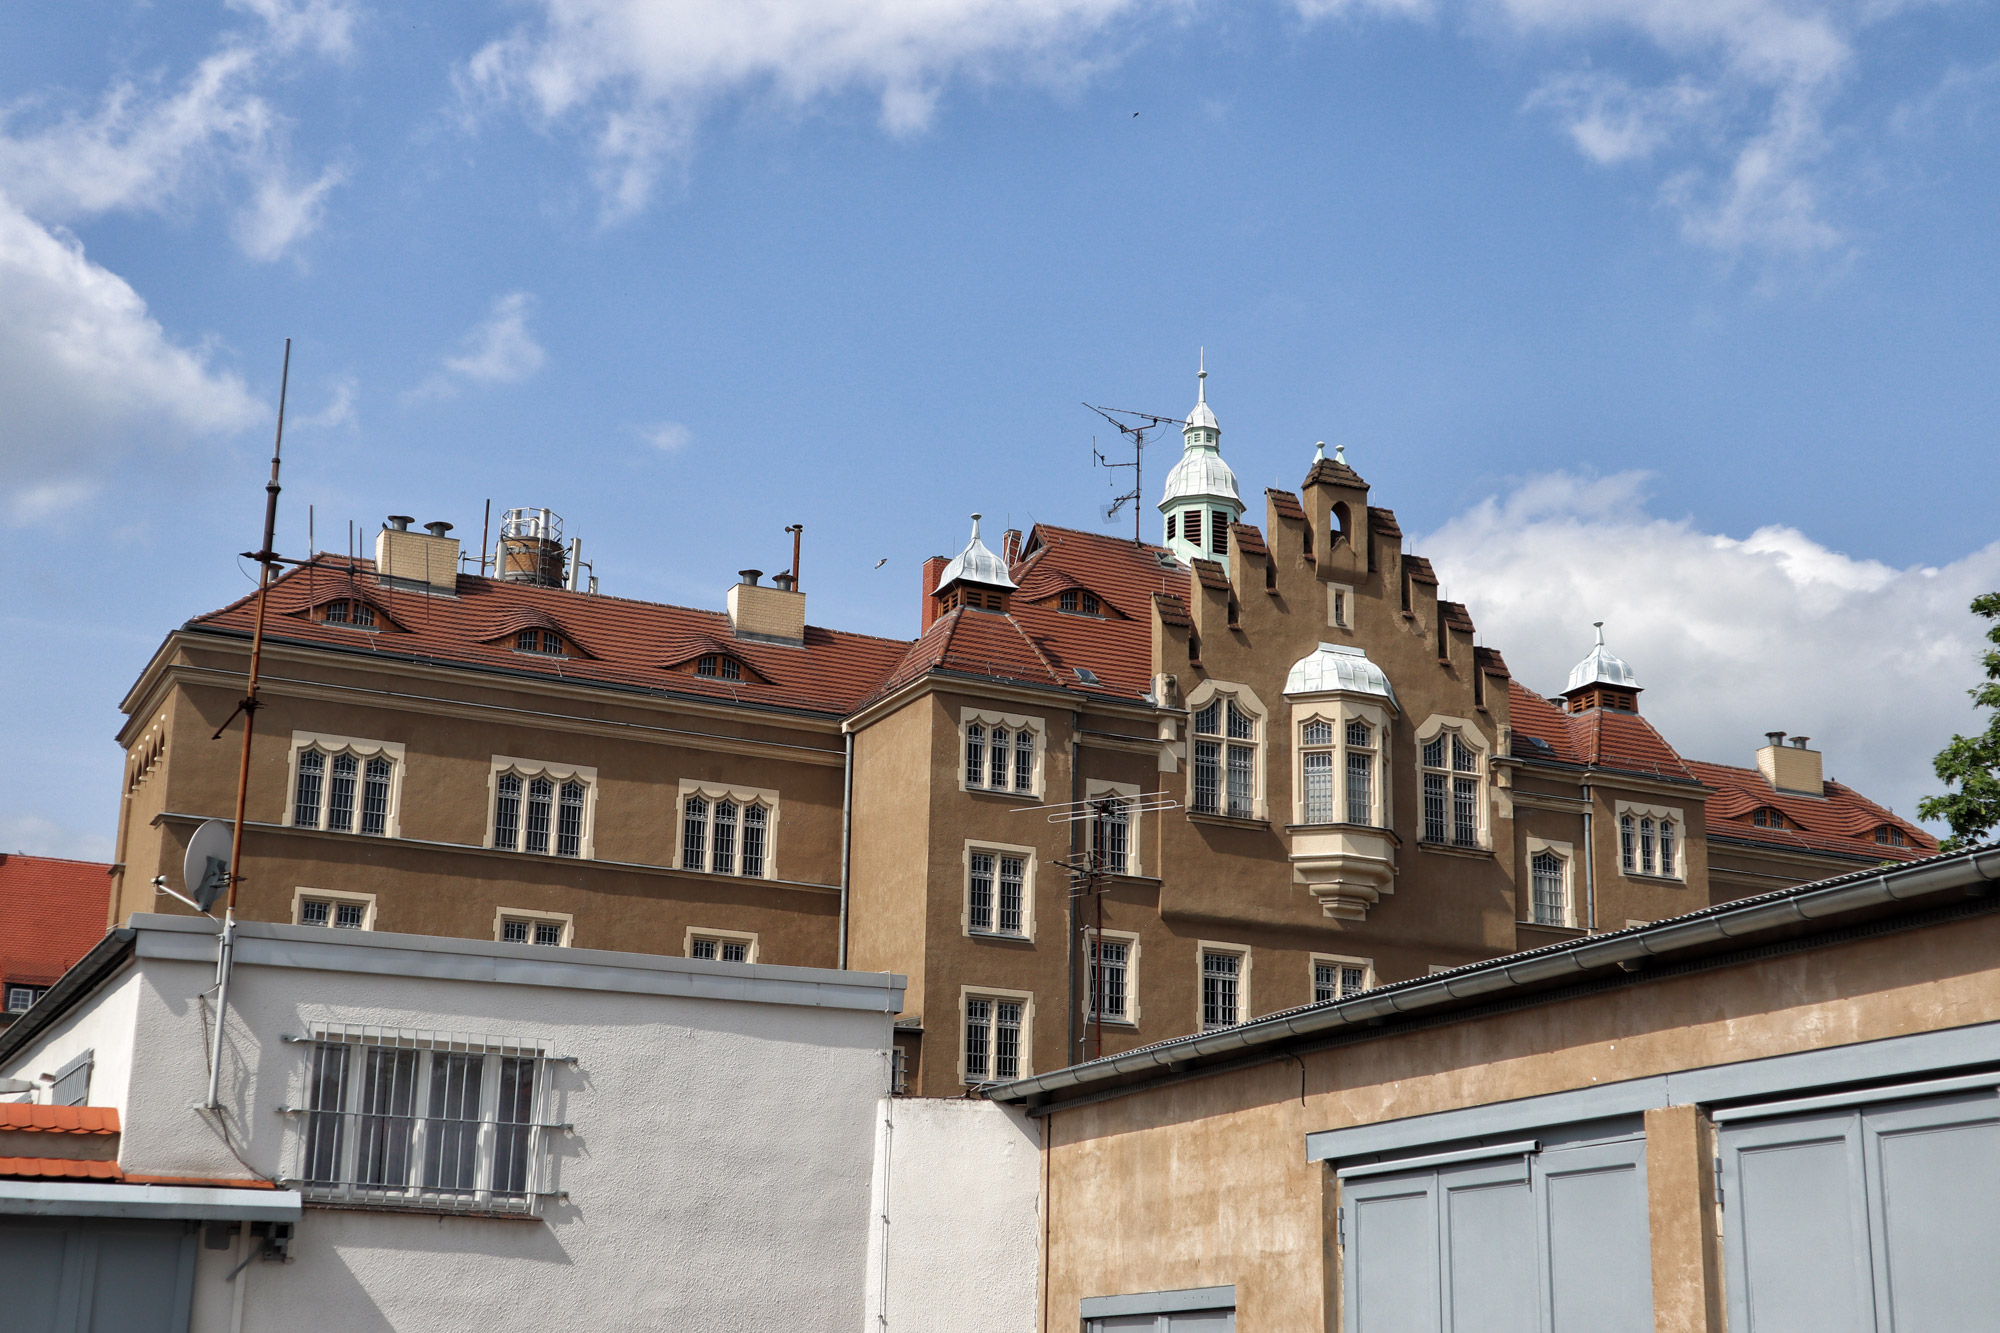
[[1228, 821], [1453, 849]]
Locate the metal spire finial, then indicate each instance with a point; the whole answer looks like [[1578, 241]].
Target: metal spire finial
[[975, 527], [1598, 625], [1201, 377], [1340, 454], [1319, 452]]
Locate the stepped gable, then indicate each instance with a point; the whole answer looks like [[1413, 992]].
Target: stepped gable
[[1211, 575], [831, 673], [1491, 662], [1842, 821], [1173, 611], [1420, 570], [1285, 503], [1249, 540], [1601, 737], [1454, 615], [1383, 521], [1337, 471]]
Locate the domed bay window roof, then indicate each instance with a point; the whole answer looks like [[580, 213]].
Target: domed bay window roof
[[1338, 668]]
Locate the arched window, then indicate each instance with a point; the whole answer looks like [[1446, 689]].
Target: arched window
[[340, 790], [351, 612], [544, 641], [999, 755], [975, 755], [1001, 751], [1360, 773], [1649, 842], [540, 809], [1889, 836], [1549, 876], [720, 666], [1451, 791], [1225, 760], [1316, 763], [725, 836]]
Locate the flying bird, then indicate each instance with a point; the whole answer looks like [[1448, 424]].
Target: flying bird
[[883, 561]]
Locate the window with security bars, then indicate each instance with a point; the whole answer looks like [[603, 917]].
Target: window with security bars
[[1225, 760], [1110, 972], [546, 642], [1647, 846], [1316, 756], [995, 893], [428, 1121], [1221, 989], [338, 914], [716, 949], [529, 930], [353, 612], [1336, 980], [1111, 835], [993, 1038], [725, 836], [1451, 791], [539, 814], [341, 792], [999, 758], [1548, 876]]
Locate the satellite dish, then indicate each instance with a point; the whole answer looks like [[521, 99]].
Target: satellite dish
[[206, 871]]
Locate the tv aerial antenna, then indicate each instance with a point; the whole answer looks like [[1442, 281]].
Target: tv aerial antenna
[[1088, 872], [1133, 426]]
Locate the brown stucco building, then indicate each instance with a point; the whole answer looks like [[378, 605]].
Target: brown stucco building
[[1286, 766]]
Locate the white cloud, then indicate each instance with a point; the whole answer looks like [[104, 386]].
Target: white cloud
[[641, 75], [338, 412], [88, 376], [37, 835], [498, 350], [146, 149], [1732, 637], [669, 437]]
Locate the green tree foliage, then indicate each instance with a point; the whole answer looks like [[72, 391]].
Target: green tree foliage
[[1973, 762]]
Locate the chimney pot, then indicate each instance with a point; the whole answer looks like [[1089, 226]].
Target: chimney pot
[[1799, 742], [750, 576], [401, 522], [1775, 737], [782, 580], [437, 529]]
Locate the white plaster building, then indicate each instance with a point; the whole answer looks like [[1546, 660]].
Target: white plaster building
[[463, 1136]]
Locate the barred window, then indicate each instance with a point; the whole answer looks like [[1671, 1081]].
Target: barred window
[[1109, 969], [1336, 979], [1002, 752], [433, 1121], [1668, 866], [1646, 866], [1549, 887], [356, 613], [541, 812], [546, 642], [718, 948], [995, 893], [342, 913], [999, 757], [1360, 773], [1111, 835], [547, 932], [1225, 759], [1451, 791], [535, 838], [975, 755], [1316, 763], [332, 784], [1221, 999], [992, 1038], [725, 836], [719, 666], [1628, 843]]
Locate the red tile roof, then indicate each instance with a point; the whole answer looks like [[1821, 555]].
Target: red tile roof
[[1383, 521], [51, 913], [1489, 661], [32, 1118], [1842, 821], [1340, 474], [1419, 569], [628, 641], [1286, 504], [1249, 539], [57, 1168], [1601, 737]]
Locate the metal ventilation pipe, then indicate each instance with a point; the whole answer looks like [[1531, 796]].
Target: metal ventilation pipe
[[437, 529], [400, 522]]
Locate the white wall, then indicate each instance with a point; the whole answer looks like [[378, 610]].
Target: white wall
[[958, 1181], [102, 1024], [718, 1175]]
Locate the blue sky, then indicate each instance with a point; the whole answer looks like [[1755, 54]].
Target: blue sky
[[1672, 313]]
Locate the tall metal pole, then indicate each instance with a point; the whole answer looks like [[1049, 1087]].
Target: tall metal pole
[[266, 557]]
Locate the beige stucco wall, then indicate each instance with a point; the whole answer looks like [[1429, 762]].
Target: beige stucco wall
[[1205, 1182]]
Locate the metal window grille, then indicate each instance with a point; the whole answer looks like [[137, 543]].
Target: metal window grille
[[753, 841], [535, 834], [722, 858], [1207, 778], [312, 780], [548, 934], [375, 798], [735, 951], [1337, 981], [1550, 901], [1024, 760], [1108, 962], [315, 912], [975, 755], [437, 1121], [1002, 748], [349, 916], [513, 932], [1090, 604], [1317, 733], [340, 794], [507, 811], [1218, 532], [1645, 846], [1668, 865], [1241, 781], [1465, 811], [1627, 849], [706, 666], [1434, 752], [1318, 766], [1242, 727], [1012, 873], [978, 1039], [1220, 973], [899, 1072], [1208, 722], [1340, 609], [1007, 1039], [1066, 601], [1111, 838], [979, 892], [1359, 736], [569, 820], [1435, 791], [694, 834], [1360, 787], [703, 948]]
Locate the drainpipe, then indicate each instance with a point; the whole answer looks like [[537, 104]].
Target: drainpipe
[[1075, 795], [1589, 863], [846, 834]]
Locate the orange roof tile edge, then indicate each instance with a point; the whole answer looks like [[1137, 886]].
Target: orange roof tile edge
[[32, 1118], [59, 1168]]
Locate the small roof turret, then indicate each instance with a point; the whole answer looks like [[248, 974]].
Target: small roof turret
[[976, 564], [1602, 667], [1334, 668]]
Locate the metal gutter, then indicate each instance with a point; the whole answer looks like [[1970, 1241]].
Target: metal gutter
[[105, 958], [36, 1198], [846, 840], [1628, 950]]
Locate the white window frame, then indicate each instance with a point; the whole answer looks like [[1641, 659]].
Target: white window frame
[[1335, 960], [565, 920], [1337, 713], [1656, 813], [1028, 881], [303, 894], [1564, 852], [1203, 948], [747, 938], [712, 792], [348, 1141], [1014, 723], [1252, 707], [1482, 800], [1130, 940], [1026, 999], [363, 750], [33, 992], [1129, 792], [1340, 606], [527, 770]]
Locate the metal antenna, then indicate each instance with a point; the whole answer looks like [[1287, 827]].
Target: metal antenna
[[1135, 430]]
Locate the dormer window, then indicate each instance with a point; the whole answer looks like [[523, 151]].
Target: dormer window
[[1769, 816], [352, 612], [718, 666], [545, 642], [1890, 836], [1079, 601]]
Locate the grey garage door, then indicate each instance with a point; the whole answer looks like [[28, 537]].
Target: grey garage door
[[89, 1275], [1184, 1310], [1532, 1242], [1864, 1219]]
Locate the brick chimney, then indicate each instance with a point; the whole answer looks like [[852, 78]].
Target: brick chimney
[[1793, 767], [1010, 547], [933, 567], [417, 559], [767, 615]]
